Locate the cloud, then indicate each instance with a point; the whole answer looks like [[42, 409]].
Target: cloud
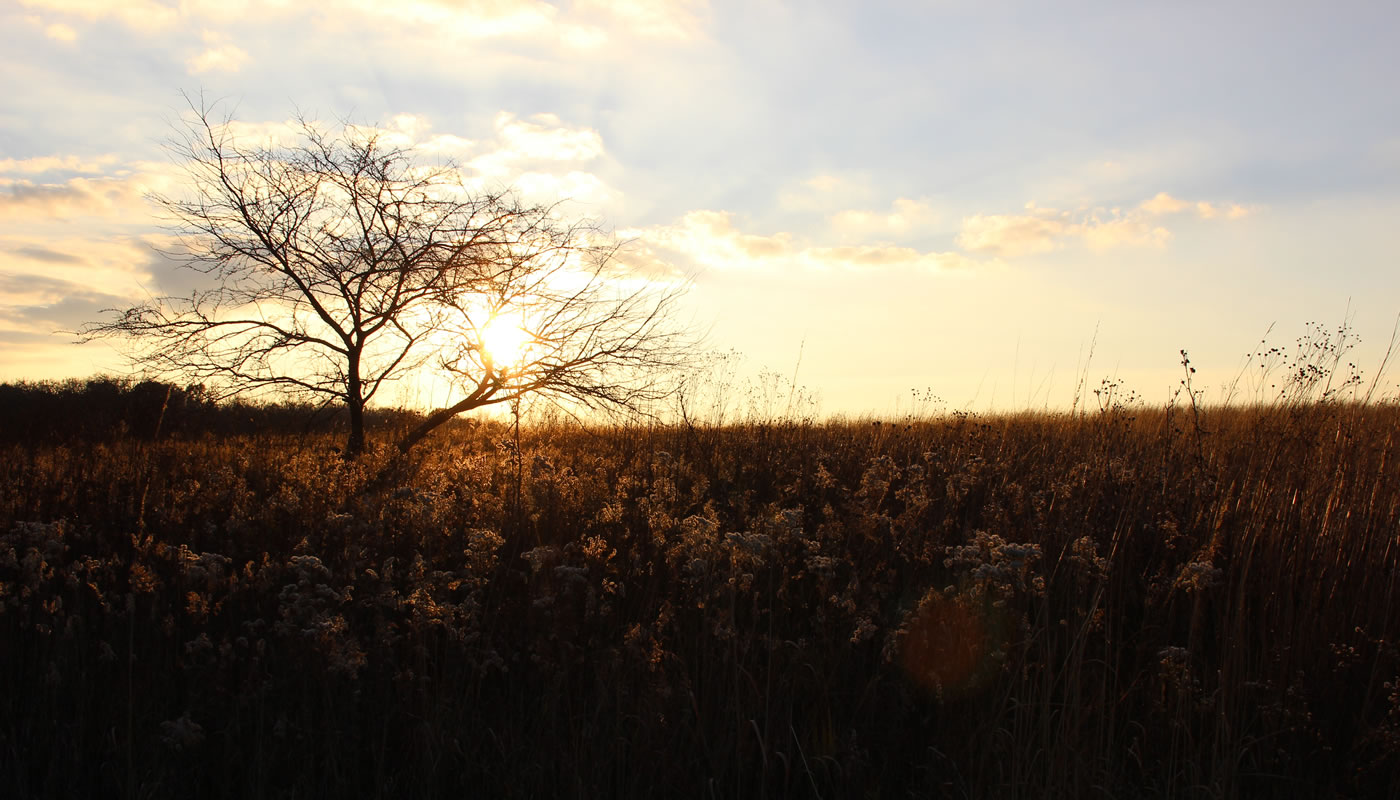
[[883, 257], [40, 287], [34, 166], [905, 216], [13, 337], [105, 196], [40, 303], [476, 19], [540, 156], [1208, 211], [1011, 235], [1100, 235], [589, 25], [660, 19], [219, 55], [575, 185], [583, 37], [541, 138], [825, 193], [1046, 229], [1164, 203], [473, 19], [46, 255], [1041, 230], [142, 15], [112, 264], [709, 240], [60, 32]]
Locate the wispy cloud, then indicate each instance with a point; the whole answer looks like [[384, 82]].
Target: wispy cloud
[[68, 198], [112, 263], [825, 193], [219, 55], [46, 255], [709, 240], [1164, 203], [1013, 234], [60, 32], [34, 166], [905, 216], [69, 186], [540, 138], [1041, 229], [138, 14], [662, 19], [473, 19], [582, 24], [42, 304]]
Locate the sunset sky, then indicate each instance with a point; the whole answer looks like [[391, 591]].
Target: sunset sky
[[951, 196]]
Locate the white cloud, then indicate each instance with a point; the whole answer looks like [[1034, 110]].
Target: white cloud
[[544, 136], [709, 240], [60, 32], [583, 37], [219, 55], [1209, 211], [34, 166], [905, 216], [826, 194], [73, 197], [661, 19], [1041, 230], [541, 143], [437, 26], [575, 185], [1011, 234], [883, 257], [474, 19], [1164, 203], [1100, 235], [144, 15]]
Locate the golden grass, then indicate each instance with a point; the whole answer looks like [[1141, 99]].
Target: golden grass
[[1132, 603]]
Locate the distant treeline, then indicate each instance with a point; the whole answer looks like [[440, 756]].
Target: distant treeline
[[105, 407]]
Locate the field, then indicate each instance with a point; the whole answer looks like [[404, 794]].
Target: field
[[1131, 602]]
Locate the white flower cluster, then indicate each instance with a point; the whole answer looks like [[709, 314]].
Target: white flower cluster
[[996, 566]]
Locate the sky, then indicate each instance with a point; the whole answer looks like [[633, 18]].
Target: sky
[[984, 202]]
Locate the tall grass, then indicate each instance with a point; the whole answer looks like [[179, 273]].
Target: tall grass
[[1135, 602]]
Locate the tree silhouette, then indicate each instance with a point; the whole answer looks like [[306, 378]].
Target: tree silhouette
[[338, 263]]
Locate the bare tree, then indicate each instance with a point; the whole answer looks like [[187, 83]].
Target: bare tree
[[337, 264]]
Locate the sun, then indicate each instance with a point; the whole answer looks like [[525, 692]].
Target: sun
[[505, 340]]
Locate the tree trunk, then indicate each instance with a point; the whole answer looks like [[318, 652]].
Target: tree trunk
[[355, 445], [426, 427], [480, 397], [355, 402]]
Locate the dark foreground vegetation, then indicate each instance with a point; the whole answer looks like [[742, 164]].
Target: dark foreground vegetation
[[1130, 603]]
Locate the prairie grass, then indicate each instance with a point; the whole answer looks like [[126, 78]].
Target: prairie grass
[[1136, 602]]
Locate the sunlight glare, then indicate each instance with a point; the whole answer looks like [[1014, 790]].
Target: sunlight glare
[[505, 339]]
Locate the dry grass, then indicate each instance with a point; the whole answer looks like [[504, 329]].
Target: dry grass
[[1132, 603]]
